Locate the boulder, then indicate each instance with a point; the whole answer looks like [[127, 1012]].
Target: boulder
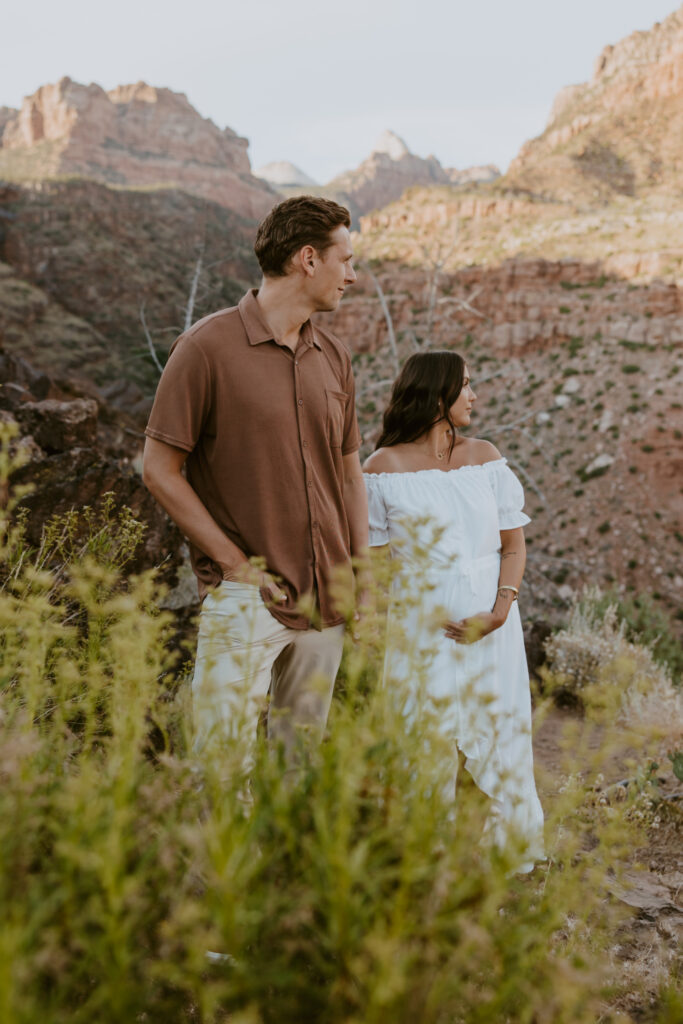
[[66, 462], [59, 426]]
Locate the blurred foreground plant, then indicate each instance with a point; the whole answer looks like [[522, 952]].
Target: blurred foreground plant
[[350, 892]]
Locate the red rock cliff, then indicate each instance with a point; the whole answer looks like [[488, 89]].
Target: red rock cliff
[[134, 135]]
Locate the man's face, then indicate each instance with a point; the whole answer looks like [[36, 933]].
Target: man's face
[[333, 271]]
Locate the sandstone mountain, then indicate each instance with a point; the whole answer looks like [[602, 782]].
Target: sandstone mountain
[[391, 169], [283, 173], [620, 133], [139, 136], [603, 181], [382, 177], [132, 136]]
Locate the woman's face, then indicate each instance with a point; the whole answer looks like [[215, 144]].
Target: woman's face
[[462, 407]]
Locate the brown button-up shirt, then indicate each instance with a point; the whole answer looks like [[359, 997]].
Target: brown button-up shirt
[[266, 430]]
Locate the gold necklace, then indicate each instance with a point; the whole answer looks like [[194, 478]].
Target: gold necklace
[[446, 451]]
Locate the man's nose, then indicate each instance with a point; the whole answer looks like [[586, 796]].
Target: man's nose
[[350, 275]]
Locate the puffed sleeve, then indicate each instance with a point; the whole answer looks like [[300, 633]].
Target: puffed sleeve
[[509, 495], [377, 511]]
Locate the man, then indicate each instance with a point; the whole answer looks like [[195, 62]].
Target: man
[[257, 404]]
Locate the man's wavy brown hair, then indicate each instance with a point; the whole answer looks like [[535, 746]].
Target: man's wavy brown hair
[[299, 221]]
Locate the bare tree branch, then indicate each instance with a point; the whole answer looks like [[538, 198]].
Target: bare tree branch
[[376, 385], [150, 343], [529, 479], [437, 257], [189, 309], [388, 320], [534, 442], [413, 339], [466, 305], [507, 426], [491, 376], [572, 563], [532, 570]]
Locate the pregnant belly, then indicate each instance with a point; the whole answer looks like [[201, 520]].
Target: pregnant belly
[[469, 588]]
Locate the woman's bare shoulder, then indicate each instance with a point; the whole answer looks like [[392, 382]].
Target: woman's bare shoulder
[[481, 451], [384, 460]]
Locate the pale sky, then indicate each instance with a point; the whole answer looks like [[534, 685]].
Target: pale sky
[[316, 82]]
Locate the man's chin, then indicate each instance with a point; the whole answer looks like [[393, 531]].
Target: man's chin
[[329, 306]]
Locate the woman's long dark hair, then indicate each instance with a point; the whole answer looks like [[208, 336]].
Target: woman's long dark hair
[[423, 393]]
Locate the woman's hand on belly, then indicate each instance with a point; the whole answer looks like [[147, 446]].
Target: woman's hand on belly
[[473, 628]]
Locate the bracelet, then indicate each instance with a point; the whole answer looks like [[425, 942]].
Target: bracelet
[[506, 586]]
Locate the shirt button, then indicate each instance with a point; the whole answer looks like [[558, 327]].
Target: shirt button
[[310, 483], [301, 401], [305, 444]]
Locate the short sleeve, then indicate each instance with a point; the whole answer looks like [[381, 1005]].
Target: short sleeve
[[351, 440], [377, 512], [183, 397], [509, 495]]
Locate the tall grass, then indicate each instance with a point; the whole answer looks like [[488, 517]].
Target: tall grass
[[347, 893]]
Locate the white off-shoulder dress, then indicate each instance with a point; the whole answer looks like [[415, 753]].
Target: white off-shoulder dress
[[444, 529]]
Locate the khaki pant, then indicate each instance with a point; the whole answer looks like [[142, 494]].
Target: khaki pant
[[242, 654]]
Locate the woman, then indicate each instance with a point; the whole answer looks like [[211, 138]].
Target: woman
[[455, 498]]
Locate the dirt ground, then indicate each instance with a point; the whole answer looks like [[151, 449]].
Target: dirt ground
[[647, 946]]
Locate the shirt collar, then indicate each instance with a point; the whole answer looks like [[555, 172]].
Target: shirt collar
[[258, 330]]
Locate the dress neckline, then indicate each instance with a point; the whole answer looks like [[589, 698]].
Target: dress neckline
[[442, 472]]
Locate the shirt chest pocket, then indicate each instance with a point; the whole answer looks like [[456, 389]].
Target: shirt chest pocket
[[336, 414]]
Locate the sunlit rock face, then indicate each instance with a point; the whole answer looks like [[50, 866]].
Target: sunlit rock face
[[134, 135], [389, 170], [619, 133]]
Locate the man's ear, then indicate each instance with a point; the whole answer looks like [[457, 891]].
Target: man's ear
[[308, 256]]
